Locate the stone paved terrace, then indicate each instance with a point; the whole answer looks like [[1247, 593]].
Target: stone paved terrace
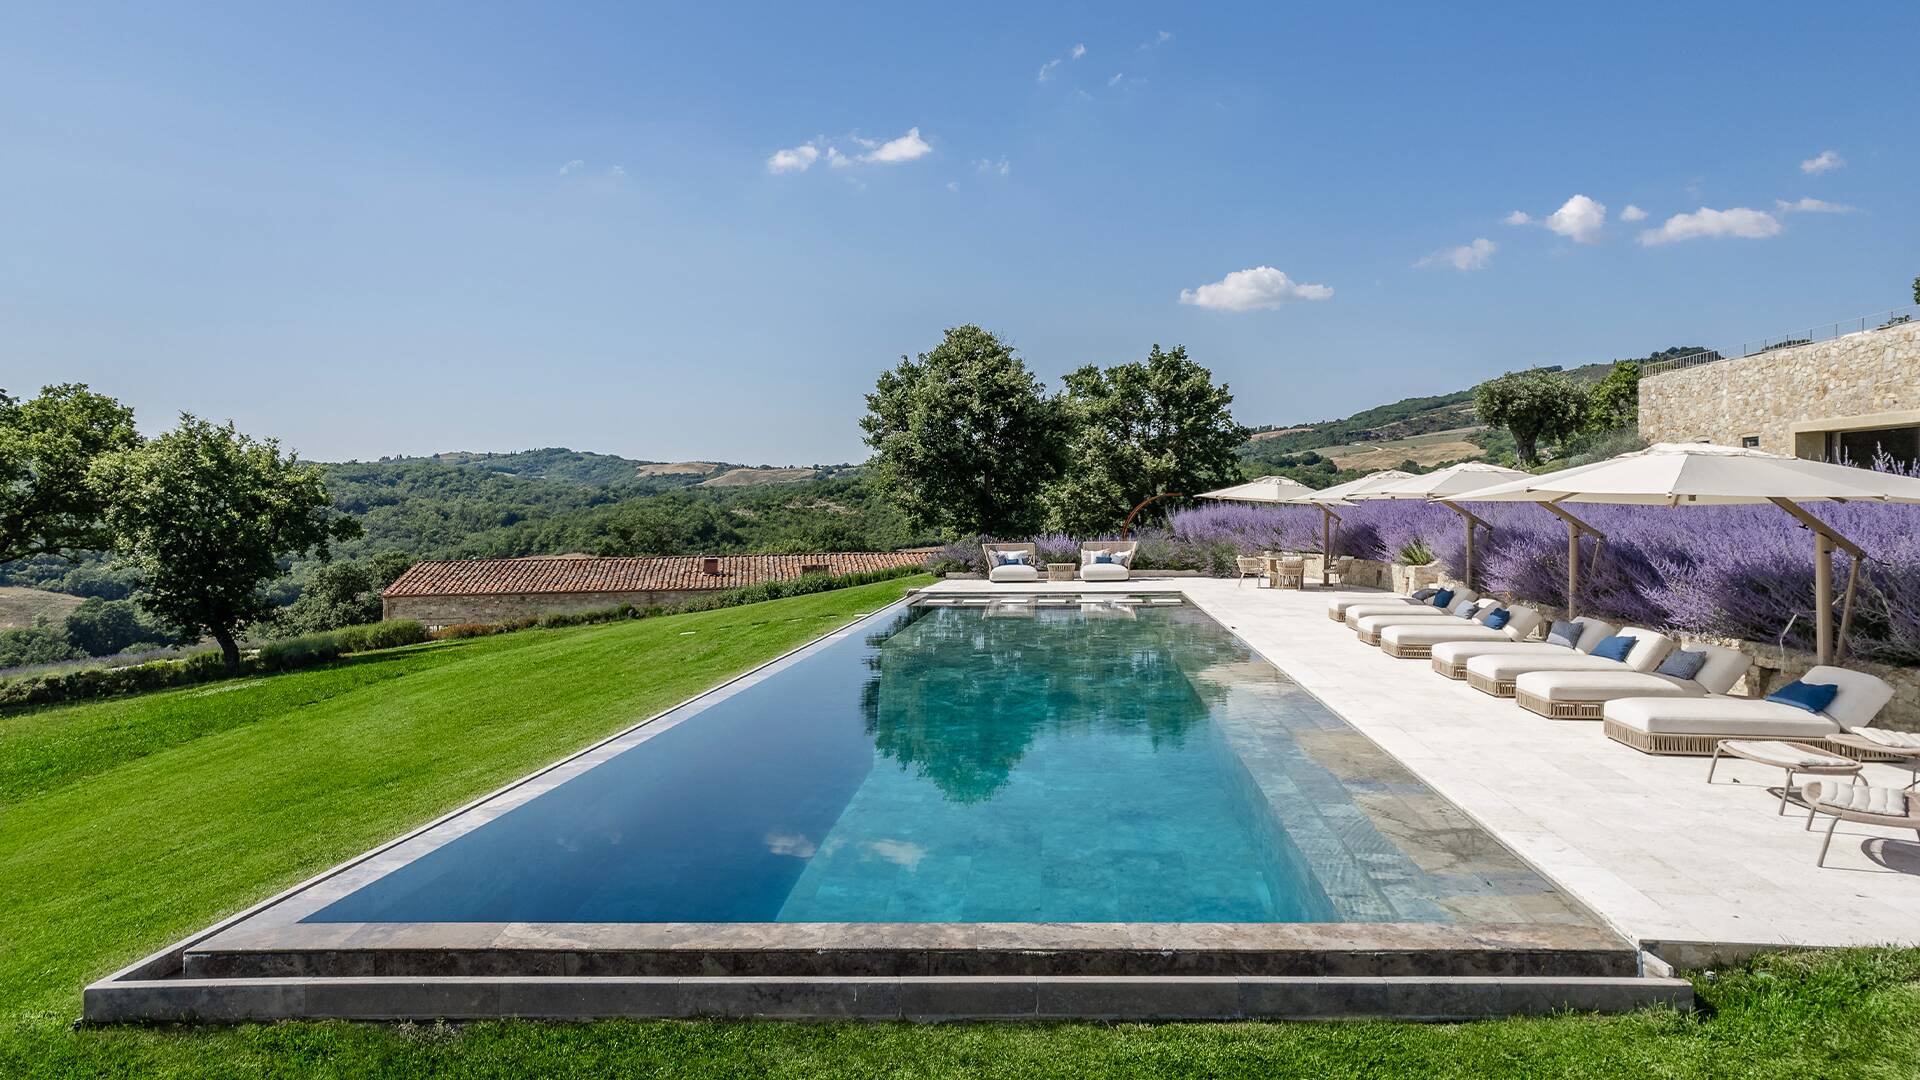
[[1699, 871]]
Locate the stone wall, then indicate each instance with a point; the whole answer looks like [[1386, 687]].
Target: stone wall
[[438, 611], [1788, 398]]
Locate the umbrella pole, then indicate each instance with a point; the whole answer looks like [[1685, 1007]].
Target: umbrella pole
[[1574, 528], [1328, 517], [1466, 577], [1824, 541]]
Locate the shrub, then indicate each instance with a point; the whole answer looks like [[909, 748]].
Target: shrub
[[386, 634], [302, 651], [467, 630], [1414, 553], [35, 645]]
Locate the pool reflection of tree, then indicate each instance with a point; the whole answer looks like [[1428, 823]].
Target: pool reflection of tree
[[966, 726]]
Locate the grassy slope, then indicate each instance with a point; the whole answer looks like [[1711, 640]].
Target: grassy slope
[[126, 824], [22, 607]]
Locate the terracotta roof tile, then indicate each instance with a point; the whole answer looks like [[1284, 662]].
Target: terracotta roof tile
[[477, 577]]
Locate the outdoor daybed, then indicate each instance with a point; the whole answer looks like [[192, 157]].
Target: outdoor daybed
[[1012, 562], [1496, 674], [1578, 695], [1106, 560], [1416, 641], [1692, 725], [1450, 658], [1338, 604], [1461, 613], [1416, 608]]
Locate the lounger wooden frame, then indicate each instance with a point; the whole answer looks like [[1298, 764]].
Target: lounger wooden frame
[[1558, 710], [1702, 745], [1407, 650], [1488, 685]]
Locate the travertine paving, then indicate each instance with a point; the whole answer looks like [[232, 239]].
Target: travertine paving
[[1644, 840]]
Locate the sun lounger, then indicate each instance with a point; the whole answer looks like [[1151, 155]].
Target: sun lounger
[[1693, 725], [1370, 627], [1421, 609], [1012, 562], [1578, 695], [1450, 659], [1893, 807], [1795, 758], [1416, 641], [1496, 674], [1338, 604]]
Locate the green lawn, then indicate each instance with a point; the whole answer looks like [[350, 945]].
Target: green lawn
[[127, 824]]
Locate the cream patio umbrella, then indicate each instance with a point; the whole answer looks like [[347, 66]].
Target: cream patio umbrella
[[1337, 495], [1703, 474], [1446, 486], [1267, 489]]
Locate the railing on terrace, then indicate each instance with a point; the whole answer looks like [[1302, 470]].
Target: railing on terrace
[[1823, 332]]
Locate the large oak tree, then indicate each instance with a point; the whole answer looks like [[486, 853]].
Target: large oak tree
[[47, 446], [205, 515]]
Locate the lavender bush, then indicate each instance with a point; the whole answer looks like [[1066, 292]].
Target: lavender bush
[[1735, 571]]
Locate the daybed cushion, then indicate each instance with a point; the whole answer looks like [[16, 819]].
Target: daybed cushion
[[1813, 697], [1456, 652], [1861, 696], [1337, 606], [1107, 571], [1430, 632], [1426, 611], [1373, 624], [1013, 572], [1568, 686], [1650, 649], [1732, 717]]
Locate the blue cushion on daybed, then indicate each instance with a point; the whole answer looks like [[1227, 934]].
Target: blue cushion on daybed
[[1498, 620], [1615, 648], [1565, 632], [1682, 663], [1813, 697], [1443, 598]]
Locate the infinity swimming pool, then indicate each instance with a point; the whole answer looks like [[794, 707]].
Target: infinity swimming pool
[[1020, 760]]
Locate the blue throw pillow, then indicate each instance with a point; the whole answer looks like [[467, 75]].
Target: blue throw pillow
[[1425, 594], [1103, 556], [1010, 558], [1467, 609], [1614, 648], [1565, 633], [1498, 620], [1443, 598], [1682, 663], [1813, 697]]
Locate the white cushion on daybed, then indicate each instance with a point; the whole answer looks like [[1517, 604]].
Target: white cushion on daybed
[[1604, 685], [1338, 605], [1861, 695], [1524, 622], [1373, 624], [1109, 571], [1732, 717], [1646, 654], [1421, 609], [1013, 572], [1592, 633]]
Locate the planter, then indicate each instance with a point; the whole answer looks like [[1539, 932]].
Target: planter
[[1408, 578]]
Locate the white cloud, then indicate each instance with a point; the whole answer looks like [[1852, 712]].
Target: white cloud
[[1115, 81], [1159, 38], [618, 172], [1252, 290], [1740, 221], [796, 159], [1046, 69], [1474, 256], [988, 165], [1579, 219], [1519, 217], [1082, 94], [1078, 51], [1827, 161], [836, 159], [905, 148], [571, 167], [1633, 213], [1812, 206], [953, 185]]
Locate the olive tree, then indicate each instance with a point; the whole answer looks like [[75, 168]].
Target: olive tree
[[1533, 405], [965, 437], [205, 515]]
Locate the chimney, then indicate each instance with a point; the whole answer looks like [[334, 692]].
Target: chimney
[[710, 566]]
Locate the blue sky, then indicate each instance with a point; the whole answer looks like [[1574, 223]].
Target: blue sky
[[409, 228]]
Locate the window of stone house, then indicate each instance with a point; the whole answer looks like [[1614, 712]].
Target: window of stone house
[[1863, 448]]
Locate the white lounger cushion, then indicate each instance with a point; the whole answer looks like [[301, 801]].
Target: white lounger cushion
[[1592, 633], [1560, 686], [1013, 572], [1861, 695], [1524, 622], [1732, 717], [1356, 612], [1373, 624], [1112, 571], [1647, 652], [1337, 606]]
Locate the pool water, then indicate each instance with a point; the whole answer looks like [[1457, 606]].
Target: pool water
[[997, 763]]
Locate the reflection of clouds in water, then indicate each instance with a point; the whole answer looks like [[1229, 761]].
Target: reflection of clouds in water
[[898, 852], [792, 844]]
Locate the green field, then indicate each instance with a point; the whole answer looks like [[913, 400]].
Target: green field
[[127, 824], [24, 607]]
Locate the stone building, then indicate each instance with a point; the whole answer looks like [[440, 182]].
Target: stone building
[[502, 590], [1843, 399]]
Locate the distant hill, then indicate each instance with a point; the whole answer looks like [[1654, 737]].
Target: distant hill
[[583, 468], [1428, 431]]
